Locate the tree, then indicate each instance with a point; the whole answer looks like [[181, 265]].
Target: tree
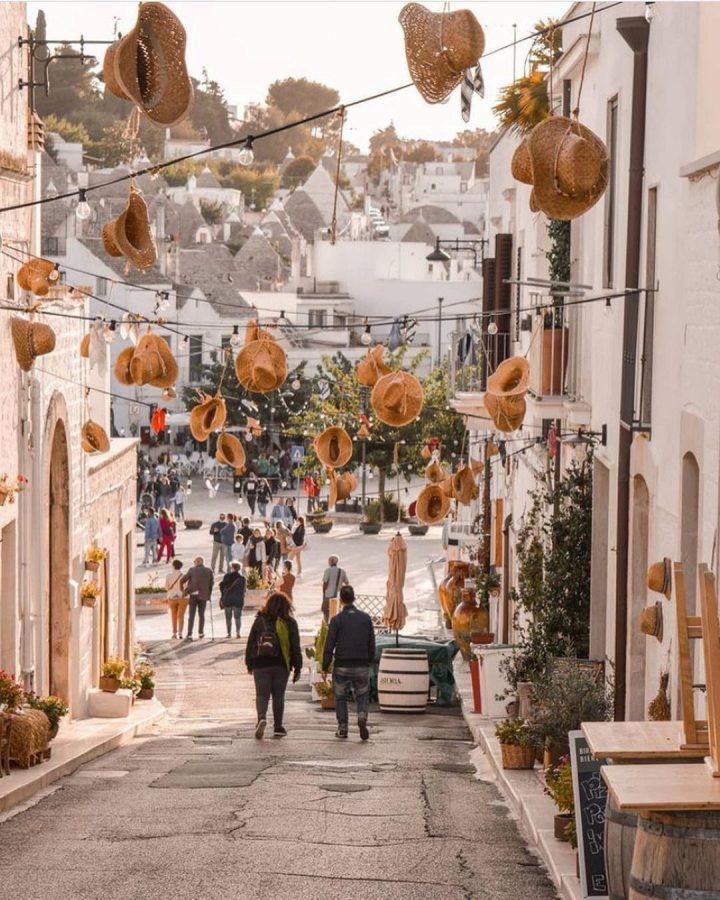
[[116, 146], [297, 171], [73, 85], [301, 97], [210, 111], [480, 140], [73, 132], [211, 212], [423, 152]]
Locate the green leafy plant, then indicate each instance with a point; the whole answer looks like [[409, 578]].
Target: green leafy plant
[[484, 584], [513, 731], [146, 675], [568, 696], [53, 707], [372, 512], [324, 688], [571, 833], [131, 684], [12, 693], [114, 667], [153, 586], [559, 786], [254, 580]]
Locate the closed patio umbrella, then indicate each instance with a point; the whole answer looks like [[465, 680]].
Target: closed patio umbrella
[[395, 611]]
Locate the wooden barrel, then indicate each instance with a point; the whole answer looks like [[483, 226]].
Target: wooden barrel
[[677, 856], [403, 680], [620, 830]]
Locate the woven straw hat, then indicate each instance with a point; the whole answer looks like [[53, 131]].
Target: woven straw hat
[[85, 346], [463, 485], [477, 466], [31, 339], [397, 399], [146, 363], [93, 438], [446, 486], [521, 164], [570, 167], [432, 504], [659, 577], [230, 452], [334, 447], [129, 235], [341, 486], [511, 378], [372, 366], [207, 416], [507, 413], [122, 366], [434, 472], [261, 365], [38, 276], [439, 48], [651, 620], [147, 66]]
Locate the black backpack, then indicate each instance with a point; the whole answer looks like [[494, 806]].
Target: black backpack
[[267, 642]]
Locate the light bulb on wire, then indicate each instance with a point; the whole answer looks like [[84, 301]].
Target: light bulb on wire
[[492, 327], [366, 337], [296, 384], [246, 157], [82, 210], [235, 338]]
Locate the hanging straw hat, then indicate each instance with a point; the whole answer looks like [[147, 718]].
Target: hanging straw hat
[[207, 416], [521, 164], [434, 472], [85, 346], [463, 485], [507, 413], [432, 504], [147, 66], [261, 365], [334, 447], [31, 339], [38, 276], [129, 235], [651, 620], [397, 399], [570, 167], [446, 486], [230, 452], [439, 48], [93, 438], [152, 362], [659, 577], [511, 378], [122, 366], [476, 466], [341, 486], [372, 366]]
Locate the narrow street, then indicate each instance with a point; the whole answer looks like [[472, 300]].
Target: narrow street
[[199, 808]]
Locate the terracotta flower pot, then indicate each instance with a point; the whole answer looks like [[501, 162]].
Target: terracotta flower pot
[[468, 618], [327, 702], [146, 693], [109, 684]]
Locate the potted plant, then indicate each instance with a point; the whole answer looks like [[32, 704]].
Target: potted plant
[[89, 592], [321, 525], [132, 685], [146, 676], [516, 744], [8, 487], [94, 555], [150, 597], [558, 784], [193, 524], [486, 583], [372, 518], [256, 588], [53, 707], [417, 528], [111, 672], [556, 335], [324, 689], [12, 693]]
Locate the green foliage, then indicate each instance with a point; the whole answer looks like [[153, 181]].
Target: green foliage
[[12, 693], [372, 512], [390, 509], [297, 171], [130, 684], [559, 786], [558, 256], [53, 707], [73, 132], [423, 152], [568, 696], [571, 833], [211, 212], [209, 111], [484, 583], [115, 147], [146, 676], [513, 731]]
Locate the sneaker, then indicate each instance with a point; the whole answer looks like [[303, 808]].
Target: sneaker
[[279, 731], [229, 635], [237, 635], [201, 636], [260, 729], [174, 635], [363, 728], [189, 637], [342, 731]]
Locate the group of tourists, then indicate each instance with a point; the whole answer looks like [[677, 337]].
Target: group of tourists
[[266, 548], [160, 487], [159, 533], [192, 590]]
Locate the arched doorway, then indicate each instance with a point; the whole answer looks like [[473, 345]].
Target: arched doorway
[[689, 519], [59, 566], [637, 644]]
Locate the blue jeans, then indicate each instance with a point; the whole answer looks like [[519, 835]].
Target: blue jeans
[[150, 551], [271, 682], [357, 677]]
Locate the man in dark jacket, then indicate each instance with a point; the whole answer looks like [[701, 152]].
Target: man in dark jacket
[[351, 641], [218, 551], [198, 584], [232, 597]]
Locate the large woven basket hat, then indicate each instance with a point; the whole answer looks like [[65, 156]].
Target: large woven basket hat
[[341, 486], [432, 504], [372, 366], [230, 452], [152, 362], [434, 472], [507, 413], [147, 66], [31, 339], [38, 276], [651, 620], [521, 164], [397, 399], [439, 48], [511, 378], [207, 416], [261, 365], [464, 486], [570, 167], [659, 577], [93, 438], [129, 235], [334, 447], [122, 366]]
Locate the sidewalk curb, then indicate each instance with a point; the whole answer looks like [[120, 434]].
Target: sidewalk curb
[[524, 793], [70, 751]]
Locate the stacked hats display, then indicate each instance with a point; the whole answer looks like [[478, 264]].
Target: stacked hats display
[[151, 362], [659, 580], [261, 365], [505, 394]]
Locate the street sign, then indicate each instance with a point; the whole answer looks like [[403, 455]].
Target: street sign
[[297, 453]]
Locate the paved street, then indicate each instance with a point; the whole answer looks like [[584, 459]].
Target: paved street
[[199, 808]]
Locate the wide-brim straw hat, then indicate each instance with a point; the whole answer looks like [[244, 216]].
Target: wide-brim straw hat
[[261, 365], [148, 66], [651, 620], [207, 416], [93, 438], [334, 447], [511, 378], [85, 346], [38, 276], [397, 399], [659, 577], [372, 366], [476, 466], [446, 486], [432, 504], [434, 472], [230, 452], [464, 486], [570, 167], [341, 486], [439, 48], [31, 339], [521, 164], [122, 366], [507, 413], [129, 235], [146, 363]]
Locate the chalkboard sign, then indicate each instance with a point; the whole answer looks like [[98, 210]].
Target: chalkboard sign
[[590, 798]]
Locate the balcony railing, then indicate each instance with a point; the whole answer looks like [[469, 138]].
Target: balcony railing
[[555, 349], [474, 355]]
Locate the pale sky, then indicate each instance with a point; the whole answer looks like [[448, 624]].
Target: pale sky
[[355, 46]]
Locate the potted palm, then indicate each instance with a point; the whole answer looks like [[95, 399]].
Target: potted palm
[[516, 744], [111, 673], [372, 518], [321, 525]]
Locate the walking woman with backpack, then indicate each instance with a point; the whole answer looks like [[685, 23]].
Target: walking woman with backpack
[[272, 652]]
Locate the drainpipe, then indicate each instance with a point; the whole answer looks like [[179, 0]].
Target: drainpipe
[[635, 32]]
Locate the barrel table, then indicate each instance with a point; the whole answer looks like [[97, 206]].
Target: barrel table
[[631, 742], [403, 680]]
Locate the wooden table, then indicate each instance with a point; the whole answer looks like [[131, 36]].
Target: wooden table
[[636, 741], [656, 788]]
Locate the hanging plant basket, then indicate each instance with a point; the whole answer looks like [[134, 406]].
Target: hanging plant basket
[[91, 565], [89, 601]]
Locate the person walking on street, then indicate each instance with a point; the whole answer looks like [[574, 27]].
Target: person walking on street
[[167, 535], [290, 504], [152, 536], [232, 597], [197, 583], [333, 579], [350, 648], [180, 503], [218, 551], [251, 489], [264, 496], [256, 556], [227, 536], [176, 599], [287, 580], [272, 652], [284, 540], [272, 554], [298, 544], [277, 513]]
